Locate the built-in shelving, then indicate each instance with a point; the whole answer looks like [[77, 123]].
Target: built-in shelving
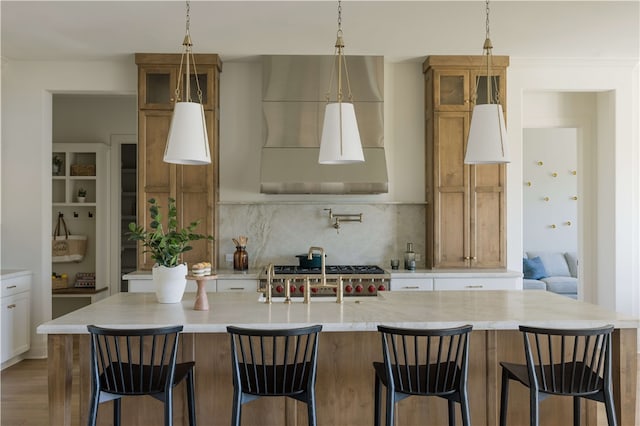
[[81, 166]]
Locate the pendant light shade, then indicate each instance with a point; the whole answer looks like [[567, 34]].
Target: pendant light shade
[[340, 143], [487, 143], [188, 142]]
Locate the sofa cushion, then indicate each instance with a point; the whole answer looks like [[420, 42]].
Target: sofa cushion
[[561, 285], [533, 284], [533, 269], [572, 262], [554, 263]]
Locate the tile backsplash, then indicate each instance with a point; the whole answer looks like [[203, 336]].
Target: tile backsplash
[[277, 232]]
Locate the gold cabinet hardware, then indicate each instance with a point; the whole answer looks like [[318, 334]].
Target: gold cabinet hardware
[[554, 174], [546, 198], [528, 183], [568, 223], [574, 172], [540, 163], [553, 226], [574, 198]]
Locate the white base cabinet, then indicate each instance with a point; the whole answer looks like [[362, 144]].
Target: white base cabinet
[[443, 280], [16, 313]]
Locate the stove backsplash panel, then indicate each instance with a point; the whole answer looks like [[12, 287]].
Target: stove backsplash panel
[[278, 232]]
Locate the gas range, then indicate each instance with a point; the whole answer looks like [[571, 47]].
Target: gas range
[[357, 280]]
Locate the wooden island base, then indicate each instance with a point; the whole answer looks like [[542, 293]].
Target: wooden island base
[[345, 385]]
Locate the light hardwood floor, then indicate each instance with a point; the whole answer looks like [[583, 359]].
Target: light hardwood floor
[[24, 395]]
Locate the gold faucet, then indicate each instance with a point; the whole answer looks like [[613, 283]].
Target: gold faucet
[[323, 270], [270, 273], [323, 284]]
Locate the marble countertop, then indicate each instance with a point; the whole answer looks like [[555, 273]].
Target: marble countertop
[[485, 310]]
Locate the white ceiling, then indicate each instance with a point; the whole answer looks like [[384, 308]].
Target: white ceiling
[[399, 30]]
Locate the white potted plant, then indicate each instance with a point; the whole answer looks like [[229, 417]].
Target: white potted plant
[[82, 195], [166, 248]]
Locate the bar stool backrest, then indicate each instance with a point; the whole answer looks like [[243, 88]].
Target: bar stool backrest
[[134, 362], [568, 361], [425, 361], [274, 362]]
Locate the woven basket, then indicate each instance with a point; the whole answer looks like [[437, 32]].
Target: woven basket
[[57, 283], [83, 170]]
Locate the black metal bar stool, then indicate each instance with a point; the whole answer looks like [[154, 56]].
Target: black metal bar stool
[[576, 363], [280, 362], [133, 362], [423, 362]]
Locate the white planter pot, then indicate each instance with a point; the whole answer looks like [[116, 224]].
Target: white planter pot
[[169, 282]]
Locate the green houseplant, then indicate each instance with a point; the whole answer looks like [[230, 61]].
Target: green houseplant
[[165, 248]]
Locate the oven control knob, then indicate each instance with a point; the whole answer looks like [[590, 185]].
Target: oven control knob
[[302, 289], [348, 289], [359, 288], [381, 287], [293, 288], [279, 289], [372, 288], [335, 290], [314, 290]]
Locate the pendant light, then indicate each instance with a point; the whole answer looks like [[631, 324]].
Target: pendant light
[[487, 143], [188, 141], [340, 142]]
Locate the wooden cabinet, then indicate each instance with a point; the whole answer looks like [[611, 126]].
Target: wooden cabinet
[[15, 294], [195, 188], [465, 215]]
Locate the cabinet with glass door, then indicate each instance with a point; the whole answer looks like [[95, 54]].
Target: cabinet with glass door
[[465, 215], [194, 188]]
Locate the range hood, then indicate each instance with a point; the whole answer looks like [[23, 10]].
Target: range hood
[[293, 103]]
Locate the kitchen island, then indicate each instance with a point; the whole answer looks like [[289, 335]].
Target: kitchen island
[[348, 345]]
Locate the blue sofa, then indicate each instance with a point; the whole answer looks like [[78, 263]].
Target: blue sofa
[[558, 275]]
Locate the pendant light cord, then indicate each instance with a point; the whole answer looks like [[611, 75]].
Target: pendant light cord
[[190, 60]]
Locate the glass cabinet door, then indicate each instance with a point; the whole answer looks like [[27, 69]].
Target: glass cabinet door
[[479, 88], [451, 90], [205, 80], [157, 88]]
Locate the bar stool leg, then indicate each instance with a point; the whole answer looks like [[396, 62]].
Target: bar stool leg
[[504, 398]]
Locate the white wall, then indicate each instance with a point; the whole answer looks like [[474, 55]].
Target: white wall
[[550, 217], [614, 231], [93, 118], [27, 89]]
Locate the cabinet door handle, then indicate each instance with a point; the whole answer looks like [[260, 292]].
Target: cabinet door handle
[[411, 286], [11, 306], [236, 288], [474, 286], [466, 258], [11, 286]]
